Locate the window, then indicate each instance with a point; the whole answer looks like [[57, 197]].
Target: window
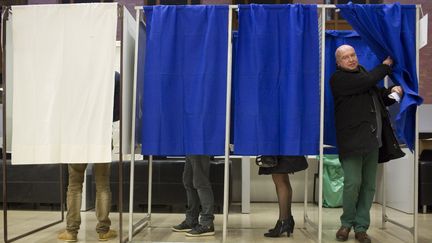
[[354, 1], [171, 2], [335, 20], [86, 1], [262, 1], [187, 2]]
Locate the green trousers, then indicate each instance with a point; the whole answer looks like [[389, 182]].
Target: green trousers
[[359, 189], [74, 195]]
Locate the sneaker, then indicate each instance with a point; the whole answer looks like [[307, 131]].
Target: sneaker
[[111, 234], [183, 227], [201, 230], [66, 236]]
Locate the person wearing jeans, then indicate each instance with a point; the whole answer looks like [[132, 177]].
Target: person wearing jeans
[[199, 192], [103, 201]]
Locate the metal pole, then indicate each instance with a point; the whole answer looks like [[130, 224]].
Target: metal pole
[[384, 192], [321, 151], [227, 126], [5, 14], [132, 164], [384, 198], [416, 149], [305, 197], [120, 169], [61, 193], [150, 181]]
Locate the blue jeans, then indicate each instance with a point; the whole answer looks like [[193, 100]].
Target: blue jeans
[[199, 191]]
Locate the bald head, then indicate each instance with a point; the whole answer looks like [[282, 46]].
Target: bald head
[[346, 57]]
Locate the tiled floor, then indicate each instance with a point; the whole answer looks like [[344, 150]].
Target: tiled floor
[[242, 228]]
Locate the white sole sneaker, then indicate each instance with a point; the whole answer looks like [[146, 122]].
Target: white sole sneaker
[[203, 234], [180, 230]]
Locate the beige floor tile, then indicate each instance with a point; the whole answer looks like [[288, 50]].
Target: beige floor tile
[[242, 228]]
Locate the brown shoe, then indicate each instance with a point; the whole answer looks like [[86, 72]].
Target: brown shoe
[[67, 236], [342, 233], [362, 237], [111, 234]]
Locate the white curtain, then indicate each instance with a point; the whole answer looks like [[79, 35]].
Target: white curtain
[[63, 69]]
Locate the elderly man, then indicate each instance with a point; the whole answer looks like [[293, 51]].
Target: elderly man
[[364, 135]]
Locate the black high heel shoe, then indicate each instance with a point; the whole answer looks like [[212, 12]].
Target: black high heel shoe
[[291, 221], [281, 227]]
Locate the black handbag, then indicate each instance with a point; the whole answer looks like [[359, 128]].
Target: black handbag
[[266, 161]]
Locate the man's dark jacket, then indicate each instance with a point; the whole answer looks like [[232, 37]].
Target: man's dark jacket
[[355, 113]]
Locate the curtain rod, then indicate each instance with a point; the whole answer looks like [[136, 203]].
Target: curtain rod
[[331, 6]]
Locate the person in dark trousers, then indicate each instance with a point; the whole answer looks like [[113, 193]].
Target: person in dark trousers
[[364, 135], [280, 167], [199, 192]]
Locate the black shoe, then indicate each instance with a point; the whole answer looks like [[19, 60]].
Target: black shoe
[[290, 221], [282, 226], [183, 227], [201, 230]]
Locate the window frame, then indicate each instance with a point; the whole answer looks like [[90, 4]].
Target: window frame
[[333, 20]]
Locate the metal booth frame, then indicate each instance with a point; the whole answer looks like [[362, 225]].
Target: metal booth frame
[[322, 8], [6, 10]]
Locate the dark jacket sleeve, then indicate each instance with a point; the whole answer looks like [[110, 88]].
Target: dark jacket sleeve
[[350, 83]]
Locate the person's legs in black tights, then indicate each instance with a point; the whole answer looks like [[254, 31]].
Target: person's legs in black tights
[[285, 222], [284, 193]]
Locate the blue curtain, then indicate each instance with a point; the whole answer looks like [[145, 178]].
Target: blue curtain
[[389, 30], [276, 80], [334, 39], [185, 80]]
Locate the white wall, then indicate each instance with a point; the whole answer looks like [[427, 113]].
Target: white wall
[[399, 183]]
